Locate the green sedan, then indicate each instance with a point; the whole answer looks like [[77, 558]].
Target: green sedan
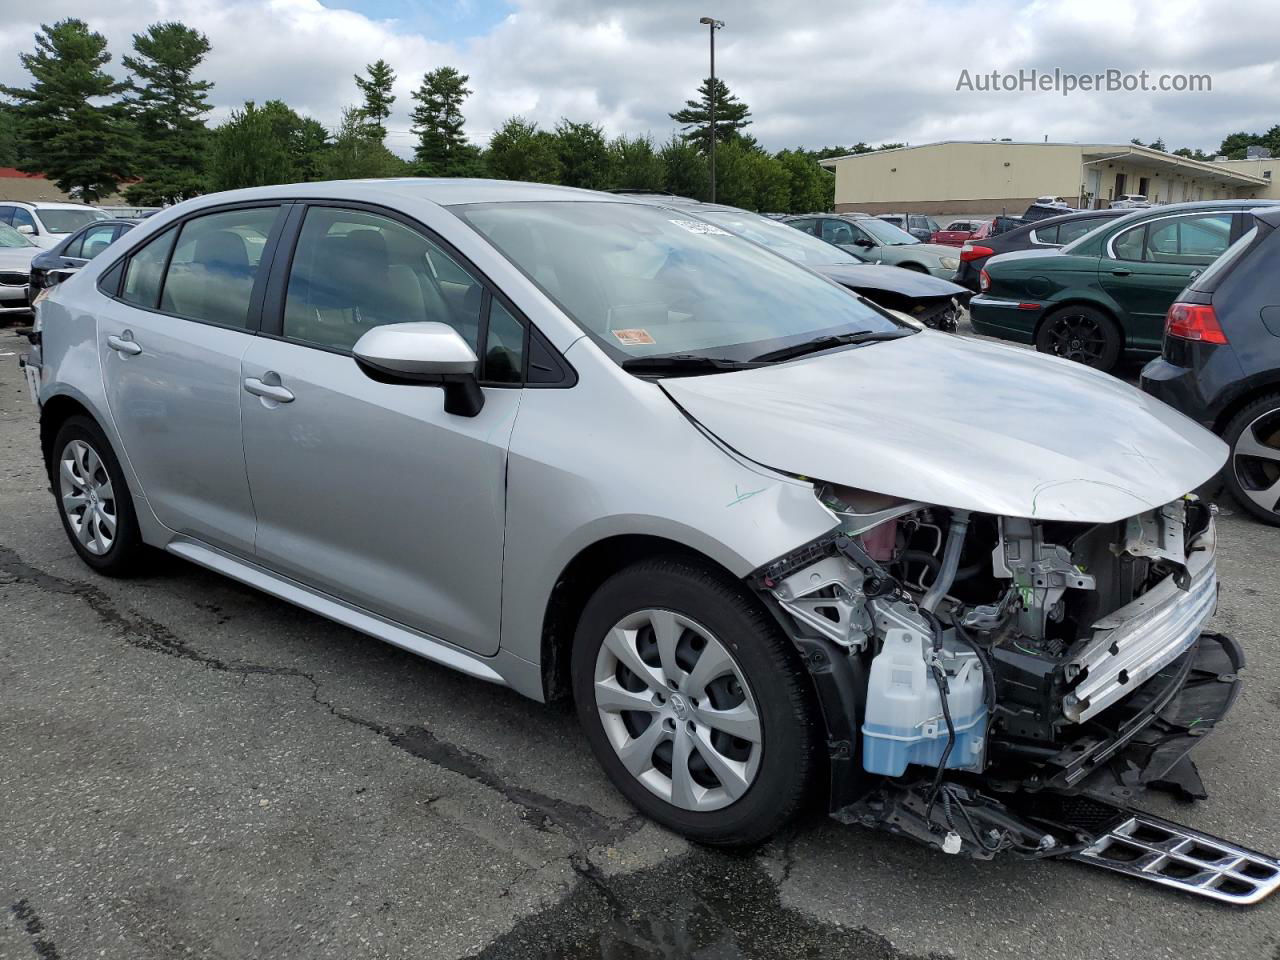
[[1105, 295], [879, 242]]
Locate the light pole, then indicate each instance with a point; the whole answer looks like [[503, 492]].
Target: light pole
[[712, 26]]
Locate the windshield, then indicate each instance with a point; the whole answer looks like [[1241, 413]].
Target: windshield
[[643, 280], [886, 232], [68, 221], [10, 237], [786, 241]]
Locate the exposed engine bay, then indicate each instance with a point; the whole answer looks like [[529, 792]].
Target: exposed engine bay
[[1015, 684]]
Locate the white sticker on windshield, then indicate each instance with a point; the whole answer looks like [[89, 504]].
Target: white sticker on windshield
[[697, 226]]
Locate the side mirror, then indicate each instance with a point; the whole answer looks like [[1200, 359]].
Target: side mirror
[[26, 229], [863, 242], [424, 353]]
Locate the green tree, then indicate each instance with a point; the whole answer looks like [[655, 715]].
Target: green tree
[[10, 137], [356, 154], [635, 165], [583, 155], [167, 107], [731, 115], [68, 134], [308, 148], [249, 151], [810, 188], [443, 150], [1196, 154], [685, 170], [518, 150], [376, 90]]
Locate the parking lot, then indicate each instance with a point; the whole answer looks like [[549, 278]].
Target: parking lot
[[188, 767]]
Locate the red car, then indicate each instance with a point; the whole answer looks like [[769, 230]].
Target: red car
[[959, 232]]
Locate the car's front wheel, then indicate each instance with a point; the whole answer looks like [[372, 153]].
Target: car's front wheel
[[1082, 334], [1252, 473], [694, 702]]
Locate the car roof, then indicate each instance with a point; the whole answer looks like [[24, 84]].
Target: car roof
[[47, 205], [439, 190]]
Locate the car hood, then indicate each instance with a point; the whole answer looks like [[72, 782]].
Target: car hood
[[17, 258], [908, 283], [960, 423]]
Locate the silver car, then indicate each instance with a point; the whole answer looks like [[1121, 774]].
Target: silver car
[[771, 539]]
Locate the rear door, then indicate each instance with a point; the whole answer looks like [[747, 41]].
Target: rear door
[[1146, 266], [170, 341]]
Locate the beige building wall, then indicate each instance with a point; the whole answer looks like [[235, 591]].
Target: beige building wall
[[1268, 169]]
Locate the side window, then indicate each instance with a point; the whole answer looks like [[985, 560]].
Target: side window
[[73, 248], [1129, 245], [808, 226], [1046, 234], [354, 270], [504, 346], [1075, 229], [1189, 241], [214, 265], [23, 218], [6, 215], [92, 242], [837, 231], [146, 267]]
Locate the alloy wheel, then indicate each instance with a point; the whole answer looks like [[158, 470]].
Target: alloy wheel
[[1079, 338], [1255, 460], [87, 497], [677, 710]]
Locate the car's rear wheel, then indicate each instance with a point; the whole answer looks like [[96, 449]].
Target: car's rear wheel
[[93, 500], [1252, 473], [694, 702], [1082, 334]]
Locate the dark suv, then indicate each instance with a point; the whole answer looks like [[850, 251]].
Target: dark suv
[[1220, 361]]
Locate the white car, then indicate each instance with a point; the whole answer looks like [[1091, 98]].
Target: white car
[[1131, 201], [47, 223]]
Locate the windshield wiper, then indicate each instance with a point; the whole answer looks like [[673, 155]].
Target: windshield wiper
[[682, 363], [819, 344]]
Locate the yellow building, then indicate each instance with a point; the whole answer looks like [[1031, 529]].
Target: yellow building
[[999, 176]]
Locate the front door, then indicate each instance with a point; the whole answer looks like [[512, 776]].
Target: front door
[[170, 344], [370, 491], [1151, 263]]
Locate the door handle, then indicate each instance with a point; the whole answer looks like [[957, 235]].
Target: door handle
[[125, 344], [1121, 272], [270, 391]]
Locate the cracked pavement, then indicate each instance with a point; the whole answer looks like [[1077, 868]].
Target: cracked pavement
[[190, 768]]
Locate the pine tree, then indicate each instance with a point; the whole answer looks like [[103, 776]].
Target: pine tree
[[167, 107], [249, 150], [355, 154], [84, 147], [376, 89], [731, 115], [443, 150]]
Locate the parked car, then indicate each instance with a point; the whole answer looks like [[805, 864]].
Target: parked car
[[74, 251], [46, 223], [1040, 235], [1044, 208], [918, 225], [1130, 201], [16, 252], [1003, 224], [1220, 362], [881, 242], [1105, 295], [563, 440], [926, 299], [957, 232]]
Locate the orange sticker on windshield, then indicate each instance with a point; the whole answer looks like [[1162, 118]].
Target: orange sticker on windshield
[[633, 338]]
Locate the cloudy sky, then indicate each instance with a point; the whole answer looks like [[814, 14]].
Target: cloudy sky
[[814, 72]]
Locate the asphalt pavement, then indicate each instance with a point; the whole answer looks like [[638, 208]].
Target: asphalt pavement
[[192, 769]]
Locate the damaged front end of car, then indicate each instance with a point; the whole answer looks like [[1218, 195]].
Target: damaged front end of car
[[1002, 684]]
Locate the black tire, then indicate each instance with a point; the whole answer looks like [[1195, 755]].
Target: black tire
[[1082, 334], [918, 268], [1245, 476], [770, 666], [126, 554]]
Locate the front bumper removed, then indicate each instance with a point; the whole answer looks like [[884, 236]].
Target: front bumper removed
[[1082, 803]]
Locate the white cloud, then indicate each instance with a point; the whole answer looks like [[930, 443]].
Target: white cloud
[[813, 71]]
